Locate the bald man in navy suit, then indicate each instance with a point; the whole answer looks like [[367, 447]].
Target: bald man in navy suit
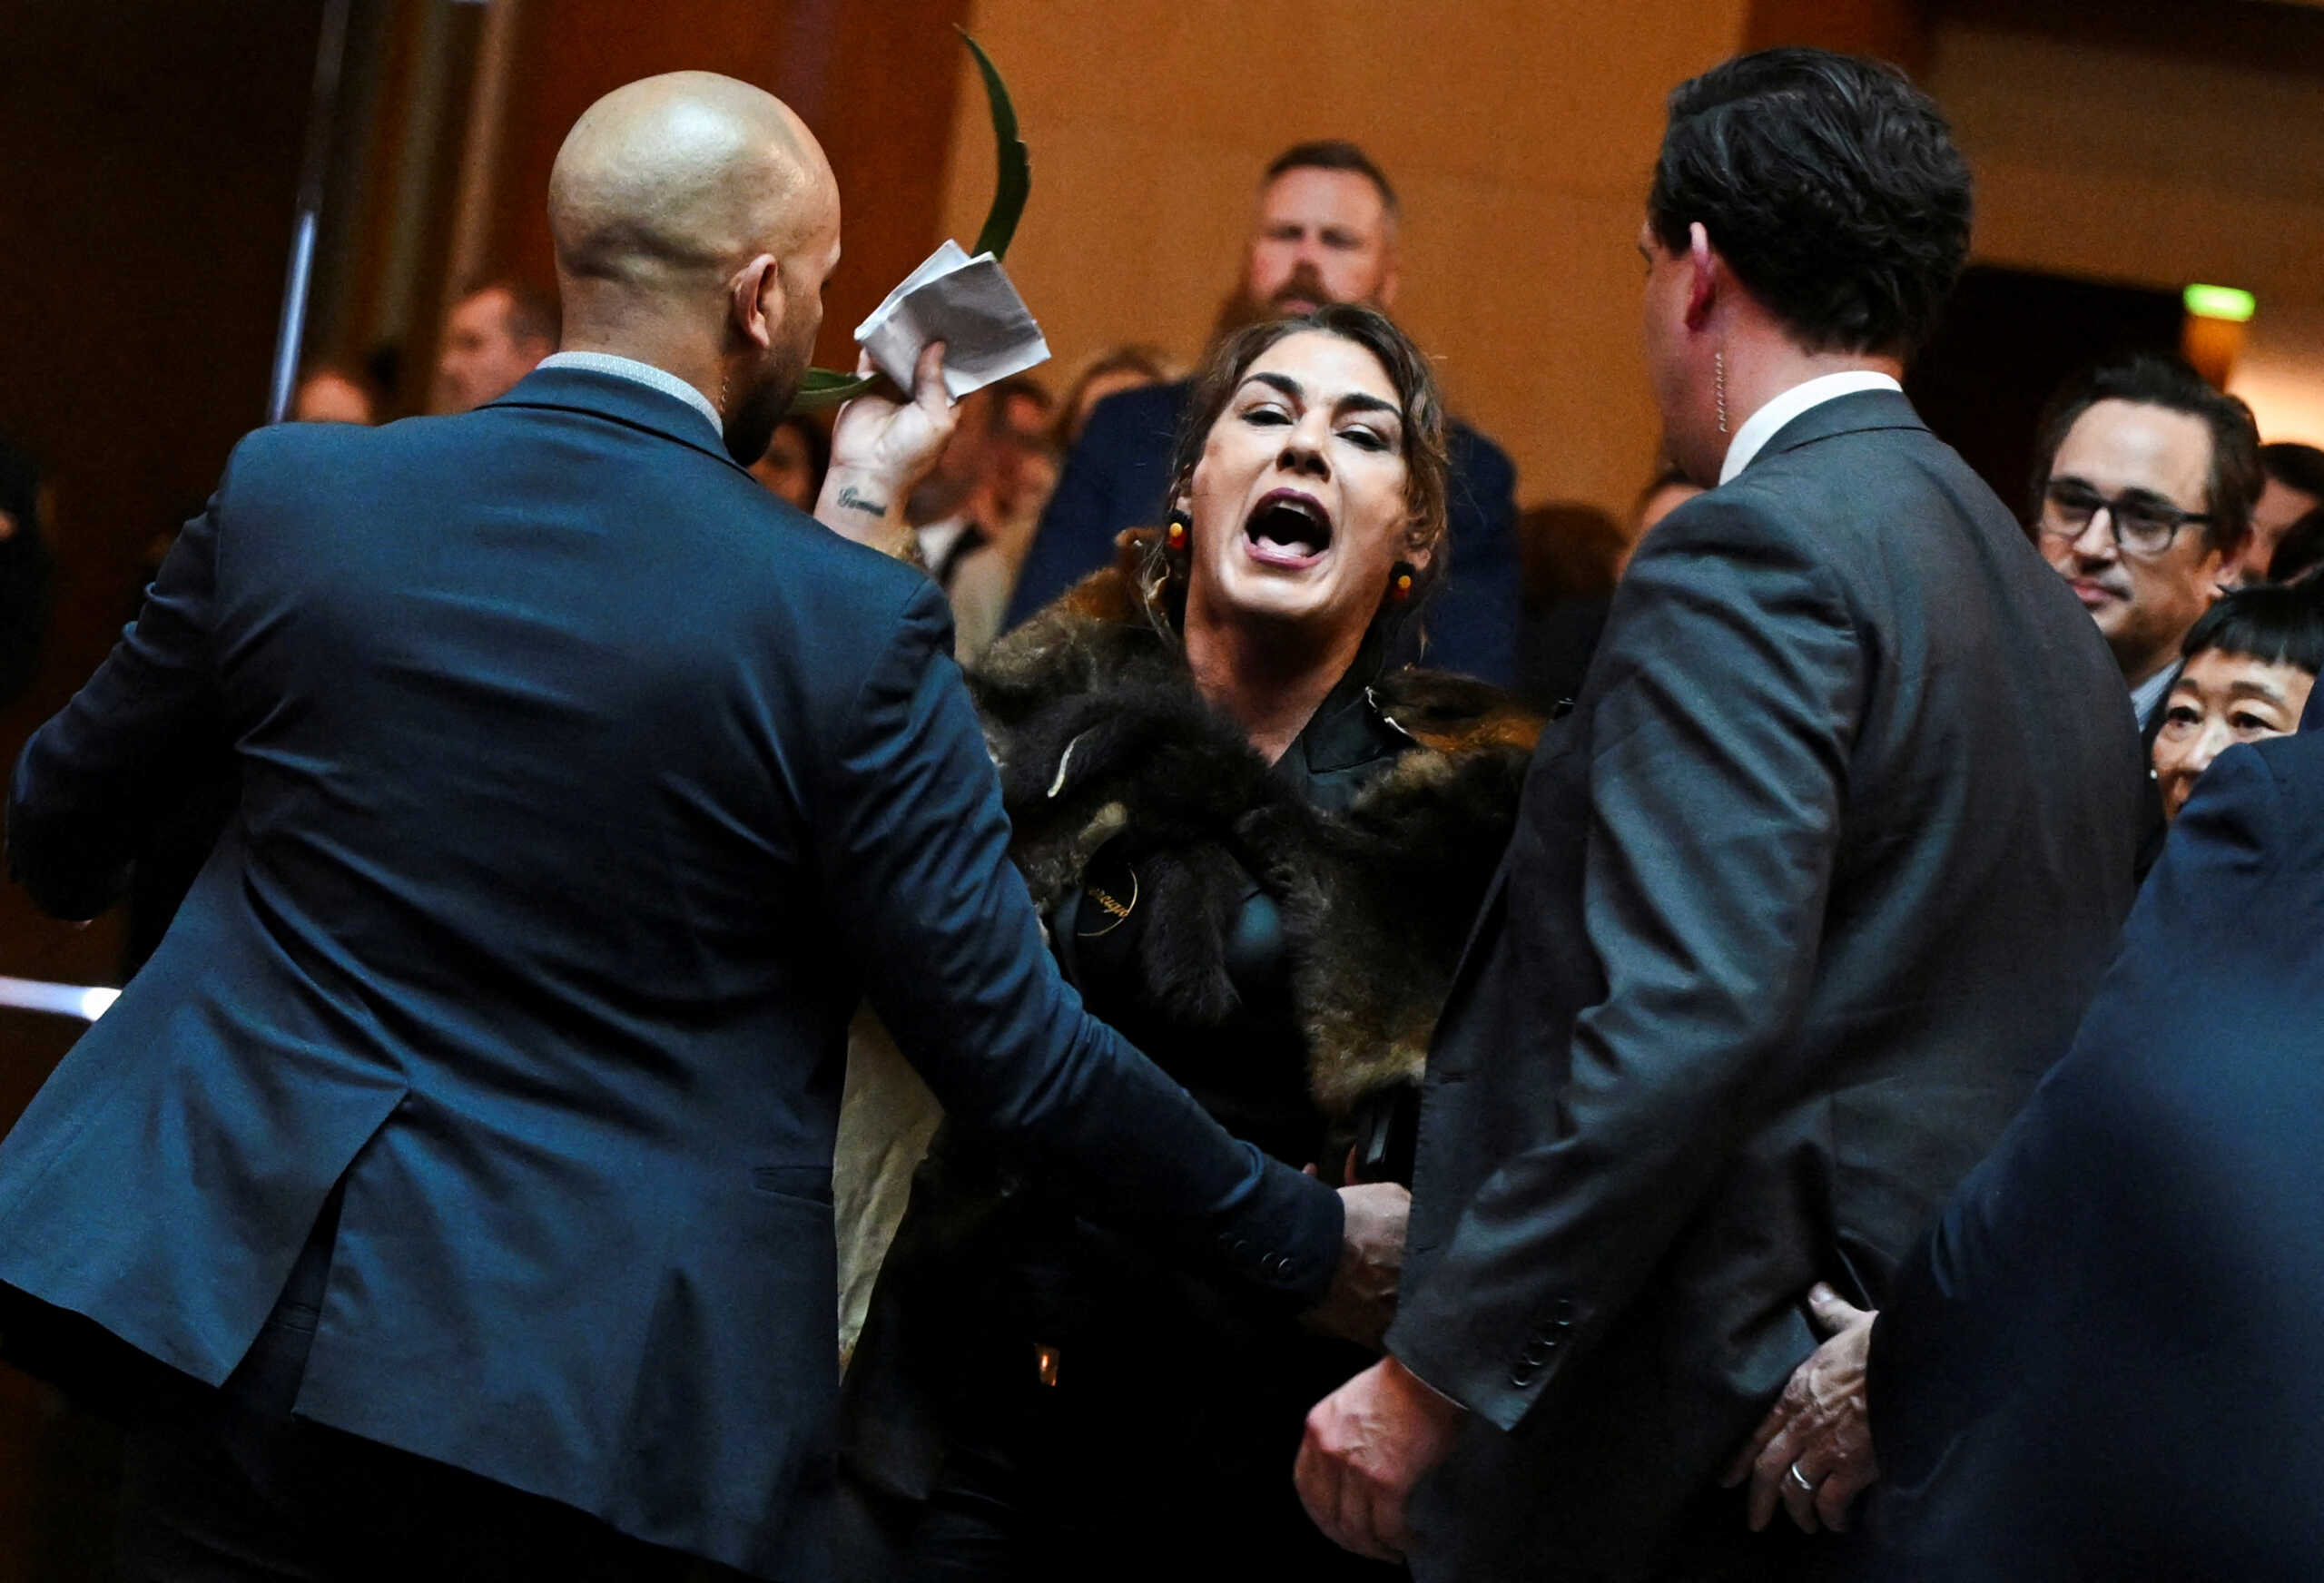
[[455, 1181]]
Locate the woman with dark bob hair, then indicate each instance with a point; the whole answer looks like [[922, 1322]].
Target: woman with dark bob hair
[[1257, 852], [2248, 664]]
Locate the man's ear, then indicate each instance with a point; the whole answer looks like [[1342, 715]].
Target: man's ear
[[756, 301], [1391, 277], [1707, 272]]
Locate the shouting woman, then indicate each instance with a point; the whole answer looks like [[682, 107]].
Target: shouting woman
[[1258, 854]]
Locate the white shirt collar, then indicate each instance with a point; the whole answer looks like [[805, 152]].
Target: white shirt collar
[[2150, 694], [644, 374], [1765, 424]]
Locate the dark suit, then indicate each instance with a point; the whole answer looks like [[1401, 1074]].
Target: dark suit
[[1805, 895], [2104, 1360], [584, 789], [1119, 472]]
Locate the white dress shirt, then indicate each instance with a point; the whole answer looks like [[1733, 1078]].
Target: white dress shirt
[[1764, 425]]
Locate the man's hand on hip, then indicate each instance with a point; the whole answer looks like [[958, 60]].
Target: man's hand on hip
[[1813, 1452], [1367, 1444], [881, 448]]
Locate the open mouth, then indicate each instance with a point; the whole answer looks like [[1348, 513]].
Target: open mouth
[[1287, 528]]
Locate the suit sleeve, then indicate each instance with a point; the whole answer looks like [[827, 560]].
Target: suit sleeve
[[1978, 1298], [88, 782], [1725, 699], [915, 845]]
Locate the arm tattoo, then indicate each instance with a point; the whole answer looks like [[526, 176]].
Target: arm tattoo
[[850, 498]]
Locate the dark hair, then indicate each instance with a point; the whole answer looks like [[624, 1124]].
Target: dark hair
[[1831, 187], [2152, 380], [2300, 551], [2295, 466], [2276, 625], [533, 315], [1426, 469], [1333, 153]]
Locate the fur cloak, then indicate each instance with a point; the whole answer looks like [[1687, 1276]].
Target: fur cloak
[[1097, 728]]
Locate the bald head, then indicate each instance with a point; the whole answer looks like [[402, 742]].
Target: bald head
[[673, 181], [695, 220]]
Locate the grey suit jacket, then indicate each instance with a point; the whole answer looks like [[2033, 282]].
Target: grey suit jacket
[[1805, 895]]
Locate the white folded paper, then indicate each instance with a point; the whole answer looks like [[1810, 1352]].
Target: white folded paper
[[967, 304]]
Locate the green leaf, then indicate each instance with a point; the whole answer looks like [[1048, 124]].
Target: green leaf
[[827, 387], [1012, 184], [1013, 165]]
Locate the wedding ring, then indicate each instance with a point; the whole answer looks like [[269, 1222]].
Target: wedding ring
[[1801, 1479]]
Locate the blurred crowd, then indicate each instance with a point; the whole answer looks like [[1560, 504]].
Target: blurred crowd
[[1036, 485]]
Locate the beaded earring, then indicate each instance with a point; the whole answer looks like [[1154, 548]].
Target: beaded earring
[[1400, 582]]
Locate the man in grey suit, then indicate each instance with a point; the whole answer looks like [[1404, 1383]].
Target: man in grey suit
[[1804, 896]]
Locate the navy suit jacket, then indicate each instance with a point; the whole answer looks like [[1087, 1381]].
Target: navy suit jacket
[[1119, 472], [1804, 896], [584, 789], [2104, 1360]]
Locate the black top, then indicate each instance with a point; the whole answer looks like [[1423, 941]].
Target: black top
[[999, 1260], [1249, 1072]]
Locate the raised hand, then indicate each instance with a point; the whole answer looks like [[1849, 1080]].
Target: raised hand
[[881, 447]]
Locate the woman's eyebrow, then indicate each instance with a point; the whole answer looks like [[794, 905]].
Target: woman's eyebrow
[[1364, 401], [1354, 401], [2253, 688]]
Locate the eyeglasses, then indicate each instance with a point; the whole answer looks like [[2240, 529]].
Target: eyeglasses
[[2141, 524]]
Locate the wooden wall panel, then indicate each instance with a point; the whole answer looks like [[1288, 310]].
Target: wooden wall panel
[[1520, 133], [151, 170], [1893, 30], [875, 82]]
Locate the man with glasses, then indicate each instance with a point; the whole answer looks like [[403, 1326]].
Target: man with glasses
[[2143, 483]]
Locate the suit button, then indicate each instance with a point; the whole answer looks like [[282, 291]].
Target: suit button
[[1275, 1264], [1521, 1376], [1563, 1310]]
